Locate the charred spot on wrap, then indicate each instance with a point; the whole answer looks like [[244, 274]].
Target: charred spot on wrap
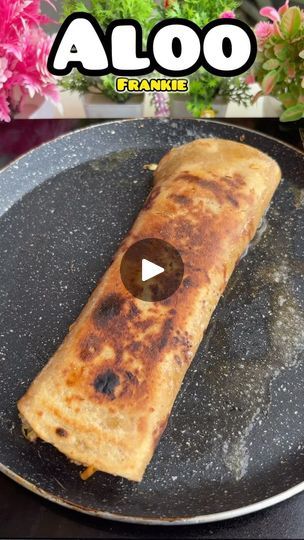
[[108, 309], [105, 383]]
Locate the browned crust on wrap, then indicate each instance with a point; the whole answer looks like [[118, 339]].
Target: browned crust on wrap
[[105, 396]]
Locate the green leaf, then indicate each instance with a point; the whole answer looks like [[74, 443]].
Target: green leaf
[[291, 70], [282, 51], [291, 22], [268, 53], [293, 114], [271, 64], [269, 82], [288, 99]]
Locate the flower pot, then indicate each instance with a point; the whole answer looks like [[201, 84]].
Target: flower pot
[[36, 107], [264, 107], [100, 106], [29, 106], [178, 106], [272, 107]]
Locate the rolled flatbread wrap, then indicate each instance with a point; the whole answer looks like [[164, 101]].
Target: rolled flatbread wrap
[[105, 396]]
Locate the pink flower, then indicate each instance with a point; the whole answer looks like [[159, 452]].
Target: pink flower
[[31, 73], [264, 31], [271, 13], [284, 8], [227, 15], [4, 108], [250, 79], [24, 49], [4, 72]]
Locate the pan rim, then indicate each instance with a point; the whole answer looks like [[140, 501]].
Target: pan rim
[[152, 120], [188, 520], [191, 520]]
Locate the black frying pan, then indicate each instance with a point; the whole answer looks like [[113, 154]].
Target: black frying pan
[[235, 440]]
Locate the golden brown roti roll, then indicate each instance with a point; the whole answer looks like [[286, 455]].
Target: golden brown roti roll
[[105, 396]]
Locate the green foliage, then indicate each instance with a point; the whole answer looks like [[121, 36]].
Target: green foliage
[[235, 90], [75, 82], [200, 12], [204, 88], [280, 64], [105, 11], [100, 85], [293, 113]]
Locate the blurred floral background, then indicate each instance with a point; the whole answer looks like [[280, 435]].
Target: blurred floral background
[[274, 87], [24, 49]]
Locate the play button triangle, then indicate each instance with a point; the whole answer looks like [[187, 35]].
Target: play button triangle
[[151, 281], [149, 270]]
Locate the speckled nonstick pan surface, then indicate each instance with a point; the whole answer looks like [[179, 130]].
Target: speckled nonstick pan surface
[[235, 440]]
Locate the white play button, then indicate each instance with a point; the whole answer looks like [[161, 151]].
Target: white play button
[[151, 281], [149, 270]]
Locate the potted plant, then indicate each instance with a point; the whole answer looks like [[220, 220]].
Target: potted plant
[[24, 50], [208, 95], [279, 68], [99, 97]]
